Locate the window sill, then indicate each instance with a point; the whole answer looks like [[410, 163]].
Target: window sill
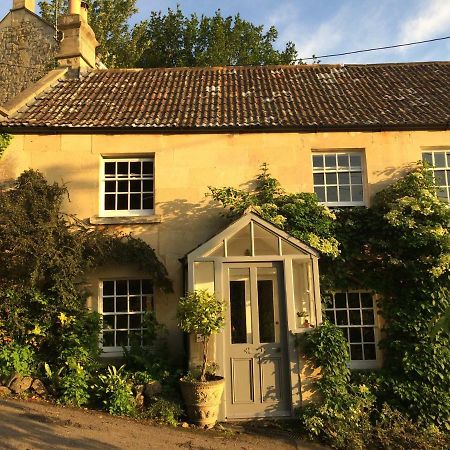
[[125, 220]]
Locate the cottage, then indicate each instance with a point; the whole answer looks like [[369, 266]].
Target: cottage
[[139, 148]]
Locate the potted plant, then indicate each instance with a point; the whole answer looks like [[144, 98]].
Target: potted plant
[[201, 313]]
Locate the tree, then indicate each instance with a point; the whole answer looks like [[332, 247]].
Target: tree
[[109, 20], [175, 40]]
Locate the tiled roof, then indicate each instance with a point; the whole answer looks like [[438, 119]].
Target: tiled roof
[[379, 96]]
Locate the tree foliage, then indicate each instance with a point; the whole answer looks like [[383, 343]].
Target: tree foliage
[[44, 255], [173, 39], [5, 139]]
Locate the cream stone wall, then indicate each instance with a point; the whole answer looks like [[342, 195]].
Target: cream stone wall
[[185, 165]]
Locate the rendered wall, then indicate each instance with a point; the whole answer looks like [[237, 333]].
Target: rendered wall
[[185, 165]]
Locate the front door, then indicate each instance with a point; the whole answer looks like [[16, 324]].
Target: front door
[[255, 341]]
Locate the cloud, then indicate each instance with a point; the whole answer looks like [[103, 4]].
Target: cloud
[[431, 19]]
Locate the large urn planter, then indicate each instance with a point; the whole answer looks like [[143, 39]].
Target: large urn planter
[[202, 400]]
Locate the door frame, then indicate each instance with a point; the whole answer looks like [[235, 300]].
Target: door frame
[[222, 339]]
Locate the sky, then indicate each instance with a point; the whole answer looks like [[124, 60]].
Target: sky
[[321, 27]]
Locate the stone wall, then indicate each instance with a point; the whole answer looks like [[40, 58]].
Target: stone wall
[[27, 52]]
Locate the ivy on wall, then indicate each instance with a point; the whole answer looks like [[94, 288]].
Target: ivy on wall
[[5, 139]]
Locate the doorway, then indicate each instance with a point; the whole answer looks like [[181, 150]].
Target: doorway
[[255, 341]]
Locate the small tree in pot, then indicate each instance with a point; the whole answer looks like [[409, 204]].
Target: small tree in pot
[[201, 313]]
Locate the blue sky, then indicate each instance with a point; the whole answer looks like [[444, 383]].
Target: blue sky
[[333, 26]]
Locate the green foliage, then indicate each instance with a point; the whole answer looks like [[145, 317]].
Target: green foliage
[[200, 312], [148, 358], [115, 392], [16, 359], [393, 431], [176, 40], [5, 140], [166, 411], [342, 419], [73, 384], [299, 214]]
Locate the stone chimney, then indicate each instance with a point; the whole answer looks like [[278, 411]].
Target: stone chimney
[[77, 48], [27, 4]]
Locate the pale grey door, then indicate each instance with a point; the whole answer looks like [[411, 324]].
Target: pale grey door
[[255, 341]]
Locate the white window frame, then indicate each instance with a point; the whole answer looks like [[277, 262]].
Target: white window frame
[[360, 363], [336, 153], [103, 179], [116, 350], [445, 168]]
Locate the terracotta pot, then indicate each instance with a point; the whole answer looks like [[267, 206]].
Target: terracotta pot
[[202, 399]]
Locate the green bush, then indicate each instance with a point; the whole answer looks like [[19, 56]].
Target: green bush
[[165, 411], [16, 359], [74, 384], [114, 390]]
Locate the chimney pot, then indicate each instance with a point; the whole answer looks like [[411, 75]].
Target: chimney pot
[[27, 4], [74, 6]]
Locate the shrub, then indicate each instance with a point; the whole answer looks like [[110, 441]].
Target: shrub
[[74, 385], [16, 359], [165, 411], [115, 392]]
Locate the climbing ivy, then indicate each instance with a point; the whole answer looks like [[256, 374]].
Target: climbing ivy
[[299, 214], [5, 139]]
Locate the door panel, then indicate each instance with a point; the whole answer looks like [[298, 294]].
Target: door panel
[[256, 378]]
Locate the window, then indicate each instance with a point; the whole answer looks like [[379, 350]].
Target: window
[[123, 304], [338, 178], [354, 313], [440, 162], [127, 187]]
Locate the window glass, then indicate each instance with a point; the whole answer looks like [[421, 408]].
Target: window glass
[[439, 163], [128, 186], [338, 178], [353, 313], [124, 303]]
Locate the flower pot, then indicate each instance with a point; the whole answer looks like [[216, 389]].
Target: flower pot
[[202, 399]]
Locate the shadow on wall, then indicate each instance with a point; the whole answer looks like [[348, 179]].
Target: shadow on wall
[[389, 175], [33, 430]]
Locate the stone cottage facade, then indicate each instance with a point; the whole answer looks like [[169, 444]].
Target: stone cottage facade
[[139, 148]]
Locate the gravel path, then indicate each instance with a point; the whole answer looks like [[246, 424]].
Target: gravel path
[[31, 425]]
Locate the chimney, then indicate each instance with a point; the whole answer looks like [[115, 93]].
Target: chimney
[[77, 48], [27, 4]]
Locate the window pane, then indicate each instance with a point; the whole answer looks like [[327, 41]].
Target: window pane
[[356, 177], [341, 317], [332, 194], [344, 193], [368, 318], [121, 304], [108, 288], [265, 311], [355, 161], [135, 321], [357, 193], [439, 176], [353, 300], [108, 339], [330, 315], [110, 169], [370, 352], [356, 352], [135, 304], [320, 192], [331, 178], [135, 169], [317, 161], [238, 312], [344, 177], [355, 335], [343, 161], [147, 287], [330, 161], [122, 321], [439, 159], [122, 201], [147, 168], [147, 186], [340, 300], [108, 322], [134, 287], [108, 305], [368, 334], [135, 186], [355, 317], [122, 169], [121, 287], [121, 338], [147, 202], [110, 202], [366, 300], [110, 186], [427, 158], [319, 178], [135, 201]]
